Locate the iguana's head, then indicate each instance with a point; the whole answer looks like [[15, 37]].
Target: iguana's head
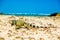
[[17, 22]]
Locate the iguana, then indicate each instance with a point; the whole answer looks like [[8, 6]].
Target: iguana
[[21, 24]]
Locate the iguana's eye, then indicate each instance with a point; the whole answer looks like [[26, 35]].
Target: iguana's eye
[[12, 24]]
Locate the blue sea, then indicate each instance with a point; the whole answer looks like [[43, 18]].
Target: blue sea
[[36, 7]]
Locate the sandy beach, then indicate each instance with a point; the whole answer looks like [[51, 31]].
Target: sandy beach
[[49, 28]]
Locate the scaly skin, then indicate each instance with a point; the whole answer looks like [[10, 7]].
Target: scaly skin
[[20, 24]]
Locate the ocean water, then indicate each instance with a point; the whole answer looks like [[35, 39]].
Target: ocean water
[[29, 6], [25, 14]]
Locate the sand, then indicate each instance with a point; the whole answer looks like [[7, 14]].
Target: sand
[[52, 32]]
